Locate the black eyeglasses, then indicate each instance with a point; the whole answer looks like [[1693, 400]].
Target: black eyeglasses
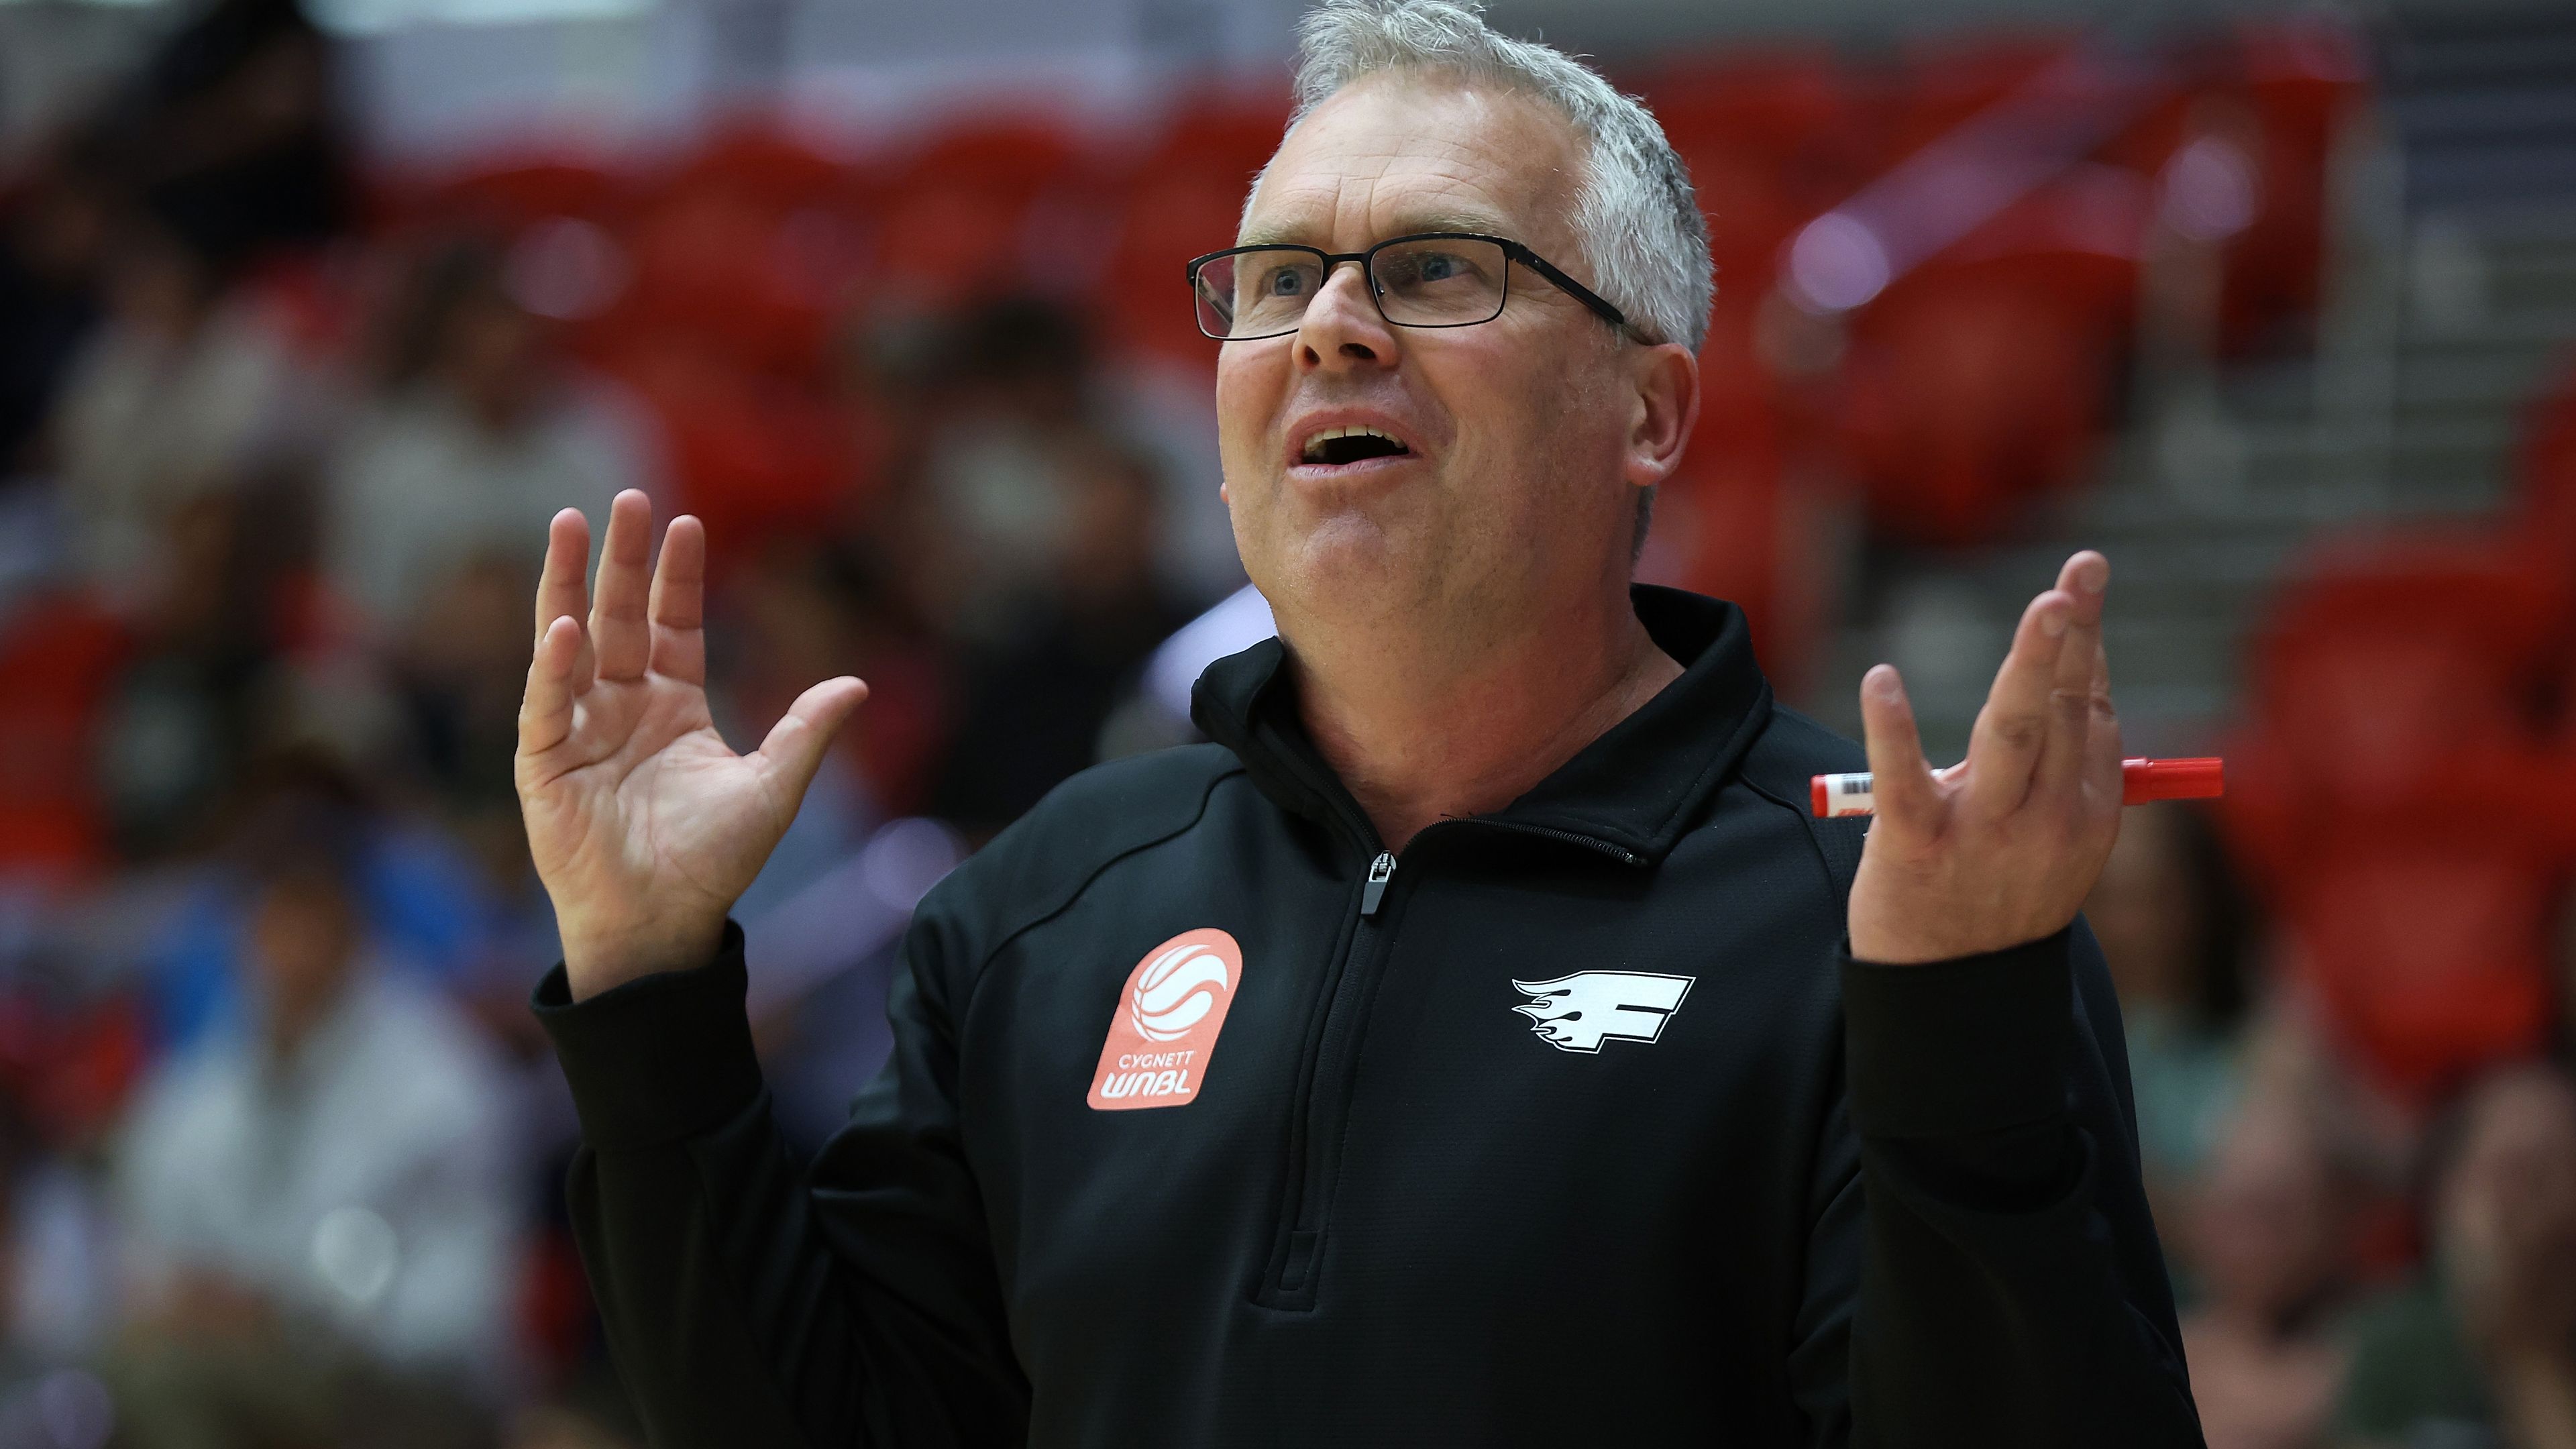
[[1427, 279]]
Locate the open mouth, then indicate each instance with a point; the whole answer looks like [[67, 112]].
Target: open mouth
[[1336, 446]]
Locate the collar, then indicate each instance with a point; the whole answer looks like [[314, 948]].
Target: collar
[[1628, 795]]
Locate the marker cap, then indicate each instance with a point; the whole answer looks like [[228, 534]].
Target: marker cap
[[2145, 780]]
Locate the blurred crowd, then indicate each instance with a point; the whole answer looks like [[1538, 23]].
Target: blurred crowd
[[280, 1149]]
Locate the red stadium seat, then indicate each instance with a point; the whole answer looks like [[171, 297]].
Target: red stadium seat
[[71, 1066], [61, 656], [1972, 388], [2303, 80], [764, 288], [754, 457], [754, 247], [1944, 82], [2391, 668], [2391, 654], [1183, 198], [1796, 119], [2397, 799], [2427, 951], [766, 166], [1728, 523], [507, 195], [988, 210]]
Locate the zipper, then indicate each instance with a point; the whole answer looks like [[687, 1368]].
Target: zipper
[[1330, 1073], [1324, 1097], [1381, 870], [1593, 843]]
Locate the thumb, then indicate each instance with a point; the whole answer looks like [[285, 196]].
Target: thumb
[[794, 748]]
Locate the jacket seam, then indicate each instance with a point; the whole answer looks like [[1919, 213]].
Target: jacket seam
[[1756, 722], [1807, 832], [1837, 1080], [1727, 757], [983, 965]]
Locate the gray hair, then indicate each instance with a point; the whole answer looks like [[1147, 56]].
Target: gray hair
[[1636, 218]]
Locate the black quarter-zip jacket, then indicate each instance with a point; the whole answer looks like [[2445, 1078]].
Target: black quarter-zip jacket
[[1573, 1124]]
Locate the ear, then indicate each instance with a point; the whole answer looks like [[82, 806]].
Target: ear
[[1665, 407]]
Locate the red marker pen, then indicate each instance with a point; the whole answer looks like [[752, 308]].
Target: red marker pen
[[2140, 781]]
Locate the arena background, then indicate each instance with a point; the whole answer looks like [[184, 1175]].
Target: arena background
[[308, 319]]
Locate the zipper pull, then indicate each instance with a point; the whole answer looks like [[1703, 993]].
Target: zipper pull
[[1381, 870]]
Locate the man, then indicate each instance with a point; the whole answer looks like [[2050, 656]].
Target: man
[[1461, 1049], [2481, 1347], [318, 1203]]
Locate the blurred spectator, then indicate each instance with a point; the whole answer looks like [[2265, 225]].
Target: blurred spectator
[[807, 613], [2481, 1349], [320, 1216], [458, 671], [2267, 1234], [2172, 922], [53, 237], [27, 1176], [225, 147], [185, 712], [477, 436], [235, 126], [183, 393], [985, 512], [1037, 702], [463, 660]]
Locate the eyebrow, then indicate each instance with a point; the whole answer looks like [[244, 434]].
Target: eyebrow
[[1413, 223]]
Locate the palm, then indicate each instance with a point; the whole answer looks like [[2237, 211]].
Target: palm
[[2002, 847], [644, 825]]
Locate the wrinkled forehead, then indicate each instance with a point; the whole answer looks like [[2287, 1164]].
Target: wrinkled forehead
[[1407, 151]]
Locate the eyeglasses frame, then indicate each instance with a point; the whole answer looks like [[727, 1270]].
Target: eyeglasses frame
[[1512, 252]]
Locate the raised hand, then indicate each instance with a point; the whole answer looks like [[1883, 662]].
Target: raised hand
[[2001, 848], [646, 827]]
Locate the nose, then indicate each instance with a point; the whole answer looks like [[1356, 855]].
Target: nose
[[1342, 328]]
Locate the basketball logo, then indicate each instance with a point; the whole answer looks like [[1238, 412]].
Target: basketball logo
[[1166, 1024], [1176, 992]]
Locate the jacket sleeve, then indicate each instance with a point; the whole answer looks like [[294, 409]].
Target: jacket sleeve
[[750, 1300], [1983, 1268]]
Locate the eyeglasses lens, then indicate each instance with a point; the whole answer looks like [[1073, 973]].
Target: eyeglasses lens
[[1439, 282]]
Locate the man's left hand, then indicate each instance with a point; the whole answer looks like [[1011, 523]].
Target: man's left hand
[[2001, 848]]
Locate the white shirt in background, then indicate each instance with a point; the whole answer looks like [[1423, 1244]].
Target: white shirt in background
[[367, 1181], [419, 487]]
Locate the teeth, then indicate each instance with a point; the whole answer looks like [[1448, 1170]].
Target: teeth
[[1316, 442]]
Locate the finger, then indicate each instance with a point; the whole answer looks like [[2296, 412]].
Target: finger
[[793, 750], [2102, 738], [617, 627], [545, 711], [2066, 756], [1902, 782], [563, 589], [678, 606], [2005, 744]]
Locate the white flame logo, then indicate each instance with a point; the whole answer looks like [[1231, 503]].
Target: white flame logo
[[1176, 992], [1579, 1012]]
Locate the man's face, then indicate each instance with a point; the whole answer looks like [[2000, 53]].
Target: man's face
[[1513, 487], [304, 937]]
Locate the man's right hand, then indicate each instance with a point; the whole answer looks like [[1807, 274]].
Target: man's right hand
[[645, 826]]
